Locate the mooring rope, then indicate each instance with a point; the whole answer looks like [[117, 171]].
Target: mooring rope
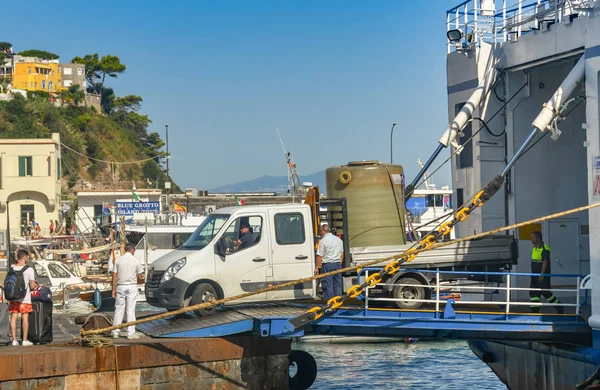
[[85, 334]]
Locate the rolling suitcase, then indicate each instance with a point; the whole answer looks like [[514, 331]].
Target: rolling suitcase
[[4, 324], [40, 323]]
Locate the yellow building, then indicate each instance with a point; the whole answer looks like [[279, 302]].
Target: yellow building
[[37, 75], [30, 172]]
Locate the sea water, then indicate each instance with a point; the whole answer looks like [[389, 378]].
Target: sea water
[[420, 365]]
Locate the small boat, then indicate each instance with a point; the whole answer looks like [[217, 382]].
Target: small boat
[[63, 283]]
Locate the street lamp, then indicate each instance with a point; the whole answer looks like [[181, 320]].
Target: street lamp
[[167, 136], [391, 143]]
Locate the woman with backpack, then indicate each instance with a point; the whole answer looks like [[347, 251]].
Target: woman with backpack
[[18, 284]]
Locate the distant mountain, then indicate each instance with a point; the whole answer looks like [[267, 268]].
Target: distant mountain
[[271, 184]]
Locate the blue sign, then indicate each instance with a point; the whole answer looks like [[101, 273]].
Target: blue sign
[[129, 208], [416, 206]]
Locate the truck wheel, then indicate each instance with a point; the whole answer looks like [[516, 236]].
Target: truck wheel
[[204, 292], [408, 292]]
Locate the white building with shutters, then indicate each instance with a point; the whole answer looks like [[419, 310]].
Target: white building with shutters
[[30, 186]]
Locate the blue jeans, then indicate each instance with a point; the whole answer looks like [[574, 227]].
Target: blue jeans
[[332, 285]]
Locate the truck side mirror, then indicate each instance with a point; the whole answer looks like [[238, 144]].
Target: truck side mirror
[[220, 247]]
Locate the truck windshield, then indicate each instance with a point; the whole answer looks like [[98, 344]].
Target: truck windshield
[[206, 232]]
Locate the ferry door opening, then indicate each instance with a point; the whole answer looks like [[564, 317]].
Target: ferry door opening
[[563, 240], [27, 214]]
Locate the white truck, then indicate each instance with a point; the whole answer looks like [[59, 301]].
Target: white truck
[[206, 266]]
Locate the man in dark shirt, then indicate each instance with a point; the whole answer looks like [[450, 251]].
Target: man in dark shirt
[[246, 238]]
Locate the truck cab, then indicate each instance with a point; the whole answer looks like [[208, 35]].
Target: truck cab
[[209, 265]]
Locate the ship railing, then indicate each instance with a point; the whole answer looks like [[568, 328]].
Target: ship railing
[[508, 282], [415, 218], [500, 21]]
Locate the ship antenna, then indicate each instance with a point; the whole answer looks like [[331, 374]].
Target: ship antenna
[[293, 178]]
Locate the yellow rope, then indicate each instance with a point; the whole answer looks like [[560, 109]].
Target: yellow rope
[[214, 303]]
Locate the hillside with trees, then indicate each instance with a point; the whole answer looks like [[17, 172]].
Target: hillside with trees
[[109, 149]]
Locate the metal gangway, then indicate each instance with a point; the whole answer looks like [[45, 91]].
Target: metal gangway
[[444, 313]]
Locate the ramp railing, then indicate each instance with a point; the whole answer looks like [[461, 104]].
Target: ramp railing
[[452, 284]]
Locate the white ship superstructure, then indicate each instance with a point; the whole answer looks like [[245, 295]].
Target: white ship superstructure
[[512, 66]]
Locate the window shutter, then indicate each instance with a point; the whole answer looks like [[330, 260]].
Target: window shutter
[[21, 166]]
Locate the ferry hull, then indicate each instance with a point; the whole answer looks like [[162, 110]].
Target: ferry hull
[[532, 365]]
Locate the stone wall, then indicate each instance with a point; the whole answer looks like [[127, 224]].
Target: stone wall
[[93, 100], [243, 362], [247, 373]]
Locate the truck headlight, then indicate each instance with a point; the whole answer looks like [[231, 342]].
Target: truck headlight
[[173, 269]]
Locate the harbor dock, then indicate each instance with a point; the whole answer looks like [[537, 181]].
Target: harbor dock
[[218, 363], [241, 361]]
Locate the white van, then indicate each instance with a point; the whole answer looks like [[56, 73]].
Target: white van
[[208, 265]]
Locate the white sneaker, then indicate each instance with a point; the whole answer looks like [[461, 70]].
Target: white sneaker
[[15, 343], [27, 343], [115, 335], [133, 337]]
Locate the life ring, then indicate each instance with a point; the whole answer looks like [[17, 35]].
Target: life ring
[[345, 177], [306, 372]]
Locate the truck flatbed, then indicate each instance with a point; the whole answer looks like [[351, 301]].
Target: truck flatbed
[[498, 249]]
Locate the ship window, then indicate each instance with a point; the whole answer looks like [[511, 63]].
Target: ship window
[[459, 198], [180, 238], [465, 158], [40, 270], [161, 240], [57, 271], [135, 238], [435, 201]]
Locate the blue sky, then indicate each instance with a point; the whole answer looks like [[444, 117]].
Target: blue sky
[[331, 75]]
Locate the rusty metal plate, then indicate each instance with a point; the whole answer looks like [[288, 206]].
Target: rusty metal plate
[[44, 361], [153, 353]]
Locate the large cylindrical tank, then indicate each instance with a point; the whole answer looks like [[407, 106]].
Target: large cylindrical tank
[[375, 200]]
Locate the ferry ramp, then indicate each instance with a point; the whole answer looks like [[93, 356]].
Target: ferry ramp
[[443, 316]]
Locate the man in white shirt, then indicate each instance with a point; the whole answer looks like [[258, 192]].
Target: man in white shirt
[[330, 256], [124, 282], [22, 306]]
